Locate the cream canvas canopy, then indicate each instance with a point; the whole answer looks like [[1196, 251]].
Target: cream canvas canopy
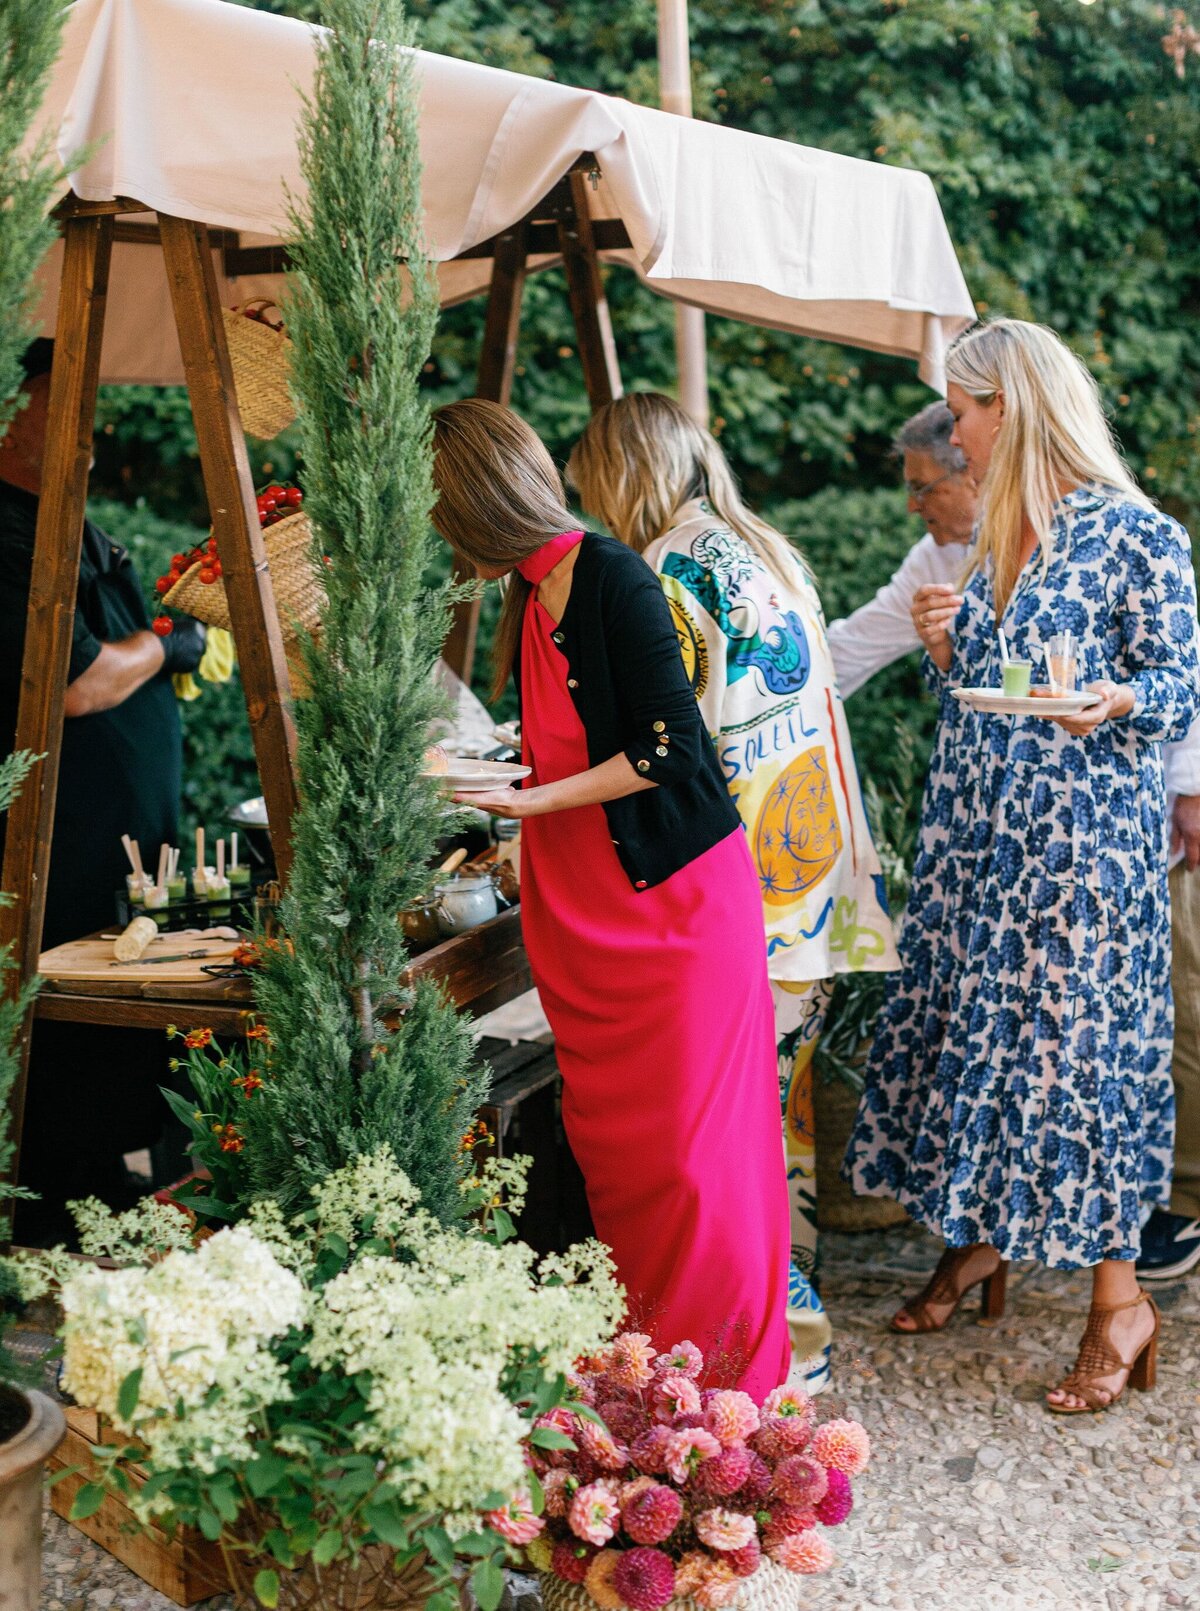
[[190, 107]]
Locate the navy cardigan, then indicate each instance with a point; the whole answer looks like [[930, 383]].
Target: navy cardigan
[[626, 677]]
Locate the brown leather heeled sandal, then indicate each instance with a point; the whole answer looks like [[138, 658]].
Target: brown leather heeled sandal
[[1098, 1357], [942, 1287]]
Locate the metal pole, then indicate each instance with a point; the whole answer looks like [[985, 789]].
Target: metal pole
[[675, 95]]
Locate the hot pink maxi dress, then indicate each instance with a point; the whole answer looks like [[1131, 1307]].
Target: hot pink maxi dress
[[665, 1036]]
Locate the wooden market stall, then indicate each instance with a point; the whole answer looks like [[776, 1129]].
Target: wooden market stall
[[186, 110]]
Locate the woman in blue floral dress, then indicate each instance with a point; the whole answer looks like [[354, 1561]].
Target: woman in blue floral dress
[[1018, 1098]]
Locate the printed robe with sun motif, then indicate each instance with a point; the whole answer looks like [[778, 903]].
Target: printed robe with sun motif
[[760, 665]]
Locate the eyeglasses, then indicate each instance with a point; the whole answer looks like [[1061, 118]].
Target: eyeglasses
[[919, 494]]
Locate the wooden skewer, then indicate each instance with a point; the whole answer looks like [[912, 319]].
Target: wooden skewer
[[220, 858], [164, 857], [200, 850], [234, 862], [136, 857], [128, 843]]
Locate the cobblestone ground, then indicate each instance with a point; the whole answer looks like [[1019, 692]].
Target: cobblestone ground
[[976, 1498]]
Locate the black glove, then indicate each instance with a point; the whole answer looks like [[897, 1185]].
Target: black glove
[[183, 647]]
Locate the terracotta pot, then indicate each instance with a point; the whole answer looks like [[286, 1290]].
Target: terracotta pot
[[22, 1463], [835, 1104]]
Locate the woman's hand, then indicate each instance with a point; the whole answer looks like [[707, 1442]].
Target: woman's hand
[[506, 802], [934, 607], [1116, 699]]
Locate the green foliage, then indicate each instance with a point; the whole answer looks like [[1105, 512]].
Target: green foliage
[[30, 37], [357, 1066]]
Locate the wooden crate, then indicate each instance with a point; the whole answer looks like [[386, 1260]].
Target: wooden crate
[[186, 1568]]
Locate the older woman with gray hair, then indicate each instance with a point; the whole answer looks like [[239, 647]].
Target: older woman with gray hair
[[942, 491]]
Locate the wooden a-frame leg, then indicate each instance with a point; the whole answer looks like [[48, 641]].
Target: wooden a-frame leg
[[230, 487], [589, 306], [497, 362], [87, 252]]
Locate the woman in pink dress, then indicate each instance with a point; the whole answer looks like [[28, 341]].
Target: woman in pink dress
[[639, 906]]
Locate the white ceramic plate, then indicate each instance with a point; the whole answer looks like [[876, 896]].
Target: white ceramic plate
[[467, 776], [997, 703]]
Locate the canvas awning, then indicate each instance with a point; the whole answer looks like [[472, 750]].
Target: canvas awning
[[190, 106]]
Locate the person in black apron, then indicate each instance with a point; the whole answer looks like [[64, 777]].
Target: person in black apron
[[92, 1092]]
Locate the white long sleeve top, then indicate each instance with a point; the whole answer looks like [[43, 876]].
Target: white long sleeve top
[[882, 631]]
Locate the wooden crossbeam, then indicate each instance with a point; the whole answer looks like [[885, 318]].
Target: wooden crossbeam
[[589, 307]]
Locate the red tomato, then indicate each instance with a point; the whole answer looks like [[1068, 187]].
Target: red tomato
[[207, 574], [163, 625]]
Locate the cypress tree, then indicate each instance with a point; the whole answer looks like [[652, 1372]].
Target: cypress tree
[[30, 37], [348, 1073]]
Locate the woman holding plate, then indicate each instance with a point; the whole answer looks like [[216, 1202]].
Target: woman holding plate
[[1019, 1097], [639, 907], [752, 633]]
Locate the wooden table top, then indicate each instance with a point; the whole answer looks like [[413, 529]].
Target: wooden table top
[[481, 969]]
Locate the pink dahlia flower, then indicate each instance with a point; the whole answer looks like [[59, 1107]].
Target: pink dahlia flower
[[559, 1420], [675, 1395], [800, 1480], [516, 1520], [649, 1452], [571, 1560], [838, 1501], [745, 1561], [599, 1444], [686, 1450], [558, 1486], [594, 1514], [599, 1580], [731, 1416], [791, 1518], [724, 1529], [758, 1484], [685, 1359], [789, 1401], [802, 1552], [725, 1473], [644, 1578], [624, 1420], [719, 1585], [630, 1360], [844, 1445], [652, 1515]]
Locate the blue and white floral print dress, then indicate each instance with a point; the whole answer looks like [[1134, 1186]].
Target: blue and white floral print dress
[[1019, 1090]]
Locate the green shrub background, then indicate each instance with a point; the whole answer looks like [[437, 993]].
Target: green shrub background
[[1065, 152]]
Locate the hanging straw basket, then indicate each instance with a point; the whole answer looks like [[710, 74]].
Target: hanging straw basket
[[260, 355], [770, 1588], [299, 593]]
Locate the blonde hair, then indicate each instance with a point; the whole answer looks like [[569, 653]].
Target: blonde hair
[[643, 456], [500, 498], [1053, 435]]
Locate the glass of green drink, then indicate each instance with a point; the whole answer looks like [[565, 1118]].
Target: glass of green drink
[[1017, 675]]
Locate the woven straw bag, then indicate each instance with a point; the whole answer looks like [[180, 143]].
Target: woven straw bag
[[299, 593], [260, 356], [771, 1588]]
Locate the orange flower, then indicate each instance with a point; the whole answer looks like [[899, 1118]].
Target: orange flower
[[232, 1140], [196, 1038], [257, 1032], [249, 1083]]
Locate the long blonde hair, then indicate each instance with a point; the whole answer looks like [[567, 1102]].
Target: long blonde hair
[[500, 498], [1053, 434], [643, 456]]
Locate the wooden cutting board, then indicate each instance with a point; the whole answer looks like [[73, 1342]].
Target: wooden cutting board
[[89, 961]]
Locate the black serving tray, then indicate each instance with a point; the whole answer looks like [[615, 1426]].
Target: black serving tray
[[237, 912]]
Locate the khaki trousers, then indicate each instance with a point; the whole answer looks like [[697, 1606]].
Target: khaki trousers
[[1185, 1061]]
